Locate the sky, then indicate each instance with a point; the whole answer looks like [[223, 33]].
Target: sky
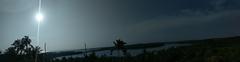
[[68, 24]]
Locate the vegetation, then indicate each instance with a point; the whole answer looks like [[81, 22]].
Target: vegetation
[[21, 51], [120, 46], [208, 50]]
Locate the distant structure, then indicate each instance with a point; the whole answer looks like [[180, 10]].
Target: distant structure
[[45, 48], [85, 49], [45, 52]]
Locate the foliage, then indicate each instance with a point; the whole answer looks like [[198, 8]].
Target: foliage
[[210, 50], [120, 45], [21, 51], [223, 50]]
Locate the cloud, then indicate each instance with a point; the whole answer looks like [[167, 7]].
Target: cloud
[[219, 4], [216, 11], [168, 22]]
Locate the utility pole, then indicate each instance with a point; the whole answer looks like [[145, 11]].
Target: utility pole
[[45, 52], [45, 47], [85, 48]]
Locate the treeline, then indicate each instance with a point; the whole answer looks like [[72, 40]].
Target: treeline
[[210, 50], [197, 53]]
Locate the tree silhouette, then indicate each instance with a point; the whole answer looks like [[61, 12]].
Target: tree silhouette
[[22, 48], [119, 44], [11, 51]]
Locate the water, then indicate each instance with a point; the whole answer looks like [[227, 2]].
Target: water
[[133, 52]]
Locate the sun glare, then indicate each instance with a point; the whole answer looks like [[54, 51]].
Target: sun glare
[[39, 17]]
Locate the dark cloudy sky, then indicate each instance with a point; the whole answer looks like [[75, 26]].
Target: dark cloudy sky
[[70, 23]]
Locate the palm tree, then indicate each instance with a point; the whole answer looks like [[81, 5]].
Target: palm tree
[[119, 44]]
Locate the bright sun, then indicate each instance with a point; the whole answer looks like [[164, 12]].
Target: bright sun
[[39, 17]]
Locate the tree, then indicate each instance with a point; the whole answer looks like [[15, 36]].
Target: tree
[[23, 46], [11, 51], [119, 44], [23, 49]]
